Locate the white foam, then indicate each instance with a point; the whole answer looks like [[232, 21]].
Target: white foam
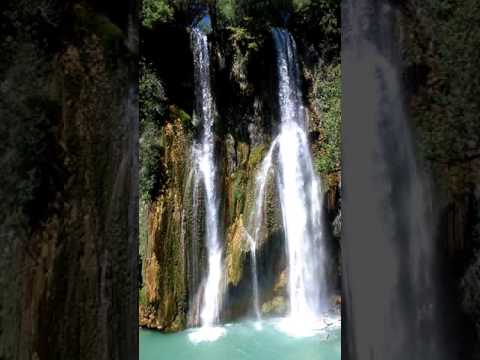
[[295, 327], [206, 334], [258, 325]]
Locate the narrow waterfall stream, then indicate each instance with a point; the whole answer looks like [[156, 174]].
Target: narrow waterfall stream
[[203, 160]]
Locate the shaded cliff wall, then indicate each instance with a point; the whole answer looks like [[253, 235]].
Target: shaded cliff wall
[[443, 86], [68, 262]]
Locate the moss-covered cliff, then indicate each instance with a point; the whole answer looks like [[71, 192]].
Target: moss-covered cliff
[[69, 181], [244, 86]]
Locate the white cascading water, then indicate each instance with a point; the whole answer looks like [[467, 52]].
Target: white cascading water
[[300, 199], [300, 193], [255, 224], [203, 160]]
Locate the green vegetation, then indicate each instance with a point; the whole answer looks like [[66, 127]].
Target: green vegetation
[[87, 20], [177, 113], [244, 44], [238, 186], [153, 100], [446, 107], [256, 156], [151, 166], [226, 10], [153, 109], [156, 11], [318, 22], [326, 97]]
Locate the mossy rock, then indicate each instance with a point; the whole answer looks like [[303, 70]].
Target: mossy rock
[[281, 283], [256, 156], [243, 151], [178, 113], [237, 189], [177, 325], [235, 252], [277, 306], [142, 297]]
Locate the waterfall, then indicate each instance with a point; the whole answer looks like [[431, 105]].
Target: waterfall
[[388, 248], [300, 199], [203, 161], [300, 192]]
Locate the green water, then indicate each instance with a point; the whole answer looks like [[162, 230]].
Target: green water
[[241, 341]]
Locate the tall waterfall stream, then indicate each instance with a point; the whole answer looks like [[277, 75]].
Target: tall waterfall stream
[[204, 162]]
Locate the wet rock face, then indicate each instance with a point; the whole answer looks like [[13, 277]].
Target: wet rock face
[[69, 195]]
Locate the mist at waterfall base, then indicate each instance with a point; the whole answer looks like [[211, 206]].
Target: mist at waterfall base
[[392, 307]]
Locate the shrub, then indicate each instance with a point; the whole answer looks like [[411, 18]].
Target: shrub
[[327, 98]]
